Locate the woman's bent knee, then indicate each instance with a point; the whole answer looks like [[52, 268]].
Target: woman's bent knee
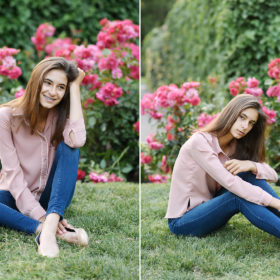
[[67, 151]]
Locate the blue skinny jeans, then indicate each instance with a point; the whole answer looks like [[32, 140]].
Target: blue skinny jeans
[[56, 197], [216, 212]]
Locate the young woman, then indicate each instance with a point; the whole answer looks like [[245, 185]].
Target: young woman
[[220, 171], [40, 136]]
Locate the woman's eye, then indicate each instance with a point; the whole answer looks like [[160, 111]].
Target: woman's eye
[[47, 82]]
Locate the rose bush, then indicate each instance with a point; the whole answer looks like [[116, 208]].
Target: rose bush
[[109, 93], [179, 111]]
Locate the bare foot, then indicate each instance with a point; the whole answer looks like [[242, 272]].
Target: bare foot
[[48, 246]]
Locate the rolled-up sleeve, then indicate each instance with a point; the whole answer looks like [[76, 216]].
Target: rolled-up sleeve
[[264, 171], [12, 173], [79, 133], [208, 160]]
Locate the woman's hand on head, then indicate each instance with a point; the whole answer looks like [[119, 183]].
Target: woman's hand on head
[[236, 166], [79, 78]]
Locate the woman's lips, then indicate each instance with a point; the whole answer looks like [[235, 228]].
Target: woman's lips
[[240, 132]]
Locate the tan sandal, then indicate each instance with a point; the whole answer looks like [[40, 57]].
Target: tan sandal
[[80, 237]]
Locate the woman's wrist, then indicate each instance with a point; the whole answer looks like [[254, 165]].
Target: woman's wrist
[[275, 203], [253, 167]]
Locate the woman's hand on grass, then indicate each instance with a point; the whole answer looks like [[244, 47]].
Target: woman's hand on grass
[[236, 166], [61, 227]]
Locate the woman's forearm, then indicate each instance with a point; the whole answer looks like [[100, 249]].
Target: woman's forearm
[[76, 111]]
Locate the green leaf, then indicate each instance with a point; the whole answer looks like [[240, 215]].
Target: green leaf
[[268, 82], [127, 168], [103, 163]]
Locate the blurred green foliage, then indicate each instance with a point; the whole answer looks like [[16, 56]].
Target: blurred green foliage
[[213, 38], [153, 13]]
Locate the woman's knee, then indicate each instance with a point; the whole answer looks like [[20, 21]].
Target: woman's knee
[[66, 151], [252, 179], [247, 176]]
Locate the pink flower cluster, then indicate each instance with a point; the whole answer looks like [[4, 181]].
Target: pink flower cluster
[[104, 178], [19, 93], [8, 65], [92, 81], [109, 93], [274, 69], [146, 159], [204, 119], [271, 115], [237, 86], [61, 47], [241, 86], [111, 62], [116, 32], [157, 178], [152, 143], [253, 88], [274, 91], [274, 72], [44, 31], [87, 57], [170, 96]]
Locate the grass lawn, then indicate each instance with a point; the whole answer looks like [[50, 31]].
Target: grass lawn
[[238, 251], [109, 213]]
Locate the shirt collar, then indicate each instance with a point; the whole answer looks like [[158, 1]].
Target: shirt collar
[[218, 149]]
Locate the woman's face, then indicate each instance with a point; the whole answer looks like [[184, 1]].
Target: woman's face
[[244, 123], [53, 88]]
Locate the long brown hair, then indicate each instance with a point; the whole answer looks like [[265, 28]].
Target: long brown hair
[[30, 101], [252, 145]]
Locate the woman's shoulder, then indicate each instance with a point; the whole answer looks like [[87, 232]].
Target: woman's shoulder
[[5, 112], [10, 115], [201, 136], [11, 111], [200, 141]]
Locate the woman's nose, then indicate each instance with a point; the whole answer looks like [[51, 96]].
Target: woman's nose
[[52, 90], [245, 125]]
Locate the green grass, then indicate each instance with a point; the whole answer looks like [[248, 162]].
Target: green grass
[[109, 213], [237, 251]]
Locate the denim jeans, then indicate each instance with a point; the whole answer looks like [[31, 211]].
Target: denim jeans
[[56, 197], [216, 212]]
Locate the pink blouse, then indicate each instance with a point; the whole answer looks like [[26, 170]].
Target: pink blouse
[[27, 159], [199, 171]]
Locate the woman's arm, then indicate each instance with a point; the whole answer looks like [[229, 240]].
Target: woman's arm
[[203, 154], [12, 174], [261, 169], [74, 132], [76, 112], [235, 166]]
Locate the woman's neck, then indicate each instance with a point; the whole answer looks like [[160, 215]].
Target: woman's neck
[[43, 119], [224, 141]]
